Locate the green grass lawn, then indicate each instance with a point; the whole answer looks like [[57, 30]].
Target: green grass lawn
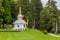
[[26, 35], [58, 34]]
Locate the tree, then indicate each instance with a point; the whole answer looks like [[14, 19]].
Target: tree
[[45, 19], [7, 13], [36, 9], [14, 10], [26, 11], [31, 19], [1, 12], [53, 11], [58, 18]]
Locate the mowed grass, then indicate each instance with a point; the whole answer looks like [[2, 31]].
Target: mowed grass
[[26, 35]]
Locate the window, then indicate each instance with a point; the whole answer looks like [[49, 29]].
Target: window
[[18, 25]]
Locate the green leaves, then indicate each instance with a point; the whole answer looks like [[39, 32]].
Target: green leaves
[[1, 12], [38, 16], [7, 13], [36, 9], [48, 16]]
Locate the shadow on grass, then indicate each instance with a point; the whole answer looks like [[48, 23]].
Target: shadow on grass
[[6, 30], [9, 31]]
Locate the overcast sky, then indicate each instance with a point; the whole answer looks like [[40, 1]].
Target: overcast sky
[[45, 1]]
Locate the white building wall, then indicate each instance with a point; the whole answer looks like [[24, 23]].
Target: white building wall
[[21, 27], [15, 27]]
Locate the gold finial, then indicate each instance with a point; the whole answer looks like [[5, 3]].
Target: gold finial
[[19, 10]]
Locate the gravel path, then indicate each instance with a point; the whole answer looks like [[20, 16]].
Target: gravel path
[[53, 35]]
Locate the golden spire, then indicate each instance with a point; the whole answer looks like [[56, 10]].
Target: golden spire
[[19, 10]]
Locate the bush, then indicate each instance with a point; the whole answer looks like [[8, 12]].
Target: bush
[[53, 31], [10, 26], [45, 31]]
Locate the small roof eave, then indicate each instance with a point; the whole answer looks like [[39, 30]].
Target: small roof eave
[[19, 22]]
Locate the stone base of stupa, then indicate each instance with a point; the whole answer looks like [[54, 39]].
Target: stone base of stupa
[[18, 29]]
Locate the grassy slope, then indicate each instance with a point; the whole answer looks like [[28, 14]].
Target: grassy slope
[[26, 35]]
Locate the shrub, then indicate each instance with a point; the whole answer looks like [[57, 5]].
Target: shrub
[[45, 31]]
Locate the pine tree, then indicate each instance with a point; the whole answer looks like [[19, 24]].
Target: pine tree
[[7, 13], [53, 11], [14, 9], [44, 19], [36, 9], [58, 18], [1, 12]]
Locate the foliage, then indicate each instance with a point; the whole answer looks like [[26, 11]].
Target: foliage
[[7, 13], [14, 10], [44, 19], [1, 12], [37, 16], [55, 13], [36, 9]]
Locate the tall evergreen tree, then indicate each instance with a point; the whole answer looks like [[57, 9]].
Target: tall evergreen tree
[[14, 9], [36, 9], [7, 13], [1, 12], [31, 19], [58, 18], [53, 10], [44, 19]]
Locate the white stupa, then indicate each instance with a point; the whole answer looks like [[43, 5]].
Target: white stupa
[[19, 24]]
